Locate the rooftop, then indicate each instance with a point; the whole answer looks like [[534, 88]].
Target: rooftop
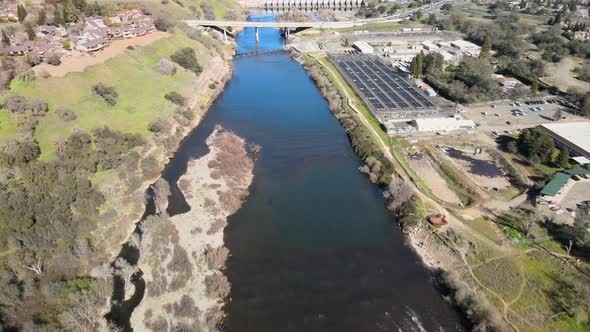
[[555, 185], [577, 133]]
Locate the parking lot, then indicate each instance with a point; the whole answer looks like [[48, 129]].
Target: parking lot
[[502, 119], [387, 93], [579, 192]]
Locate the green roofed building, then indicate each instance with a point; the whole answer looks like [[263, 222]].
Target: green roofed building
[[555, 185], [577, 171]]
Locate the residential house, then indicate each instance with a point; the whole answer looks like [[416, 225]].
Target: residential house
[[93, 45], [507, 82]]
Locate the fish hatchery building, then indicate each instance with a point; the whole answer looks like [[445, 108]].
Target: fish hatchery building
[[573, 136]]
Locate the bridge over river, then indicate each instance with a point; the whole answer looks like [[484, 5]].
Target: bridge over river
[[288, 26]]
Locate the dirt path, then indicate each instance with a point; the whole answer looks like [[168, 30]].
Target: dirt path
[[563, 78], [81, 62]]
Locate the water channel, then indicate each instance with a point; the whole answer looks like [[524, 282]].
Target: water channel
[[313, 248]]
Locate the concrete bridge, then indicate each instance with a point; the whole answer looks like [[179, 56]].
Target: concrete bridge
[[288, 26]]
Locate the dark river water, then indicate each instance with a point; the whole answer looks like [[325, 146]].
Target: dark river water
[[313, 248]]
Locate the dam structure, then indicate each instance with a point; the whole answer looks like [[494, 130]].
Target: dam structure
[[305, 5]]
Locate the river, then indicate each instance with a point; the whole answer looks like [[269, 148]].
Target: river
[[313, 248]]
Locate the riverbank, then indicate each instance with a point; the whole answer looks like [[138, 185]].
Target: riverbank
[[182, 257], [496, 285], [412, 208]]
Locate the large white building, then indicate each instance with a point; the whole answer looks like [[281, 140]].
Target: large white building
[[363, 47], [466, 47], [573, 136]]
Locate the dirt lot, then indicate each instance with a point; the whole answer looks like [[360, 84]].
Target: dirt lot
[[481, 168], [80, 62], [423, 167]]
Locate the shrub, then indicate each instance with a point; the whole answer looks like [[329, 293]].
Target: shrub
[[165, 67], [66, 114], [176, 98], [131, 47], [32, 59], [18, 150], [150, 167], [159, 126], [19, 104], [163, 24], [187, 58], [213, 85], [54, 59], [16, 104], [107, 93]]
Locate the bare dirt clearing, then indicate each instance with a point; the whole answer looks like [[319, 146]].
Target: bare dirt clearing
[[426, 171], [81, 62], [480, 167]]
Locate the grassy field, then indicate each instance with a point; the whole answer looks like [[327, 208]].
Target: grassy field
[[7, 125], [483, 14], [141, 93]]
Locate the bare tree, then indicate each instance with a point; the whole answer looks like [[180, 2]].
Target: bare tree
[[161, 191], [124, 269], [85, 309], [398, 192]]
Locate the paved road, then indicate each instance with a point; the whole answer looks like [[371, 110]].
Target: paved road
[[322, 25]]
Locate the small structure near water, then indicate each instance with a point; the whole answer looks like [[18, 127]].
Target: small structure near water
[[437, 219]]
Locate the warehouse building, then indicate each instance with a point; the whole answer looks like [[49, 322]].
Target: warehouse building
[[466, 47], [573, 136], [363, 47]]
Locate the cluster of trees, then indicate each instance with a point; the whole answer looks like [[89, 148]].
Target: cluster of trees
[[469, 81], [108, 93], [48, 208], [535, 144], [362, 141], [187, 59], [555, 46], [581, 231], [506, 35], [583, 72], [580, 99], [376, 9]]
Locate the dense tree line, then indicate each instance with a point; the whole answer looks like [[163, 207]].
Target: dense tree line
[[361, 139]]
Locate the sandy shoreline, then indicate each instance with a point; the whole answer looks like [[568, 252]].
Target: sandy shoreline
[[183, 256]]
